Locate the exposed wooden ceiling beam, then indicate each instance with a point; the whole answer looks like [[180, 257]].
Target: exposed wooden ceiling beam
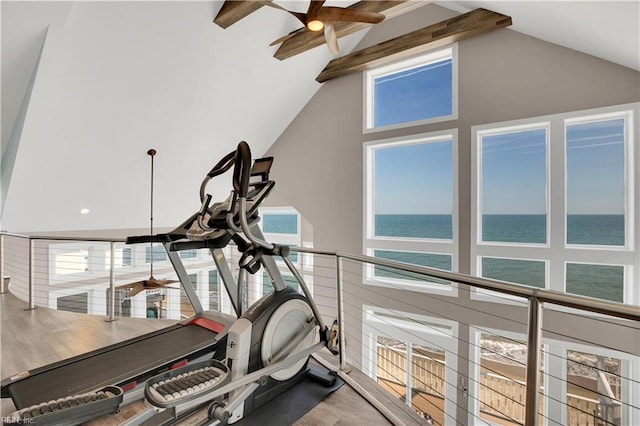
[[476, 22], [233, 11], [303, 40]]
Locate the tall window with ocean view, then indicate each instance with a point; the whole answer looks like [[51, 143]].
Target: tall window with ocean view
[[413, 190], [596, 182], [514, 186], [410, 197], [554, 203]]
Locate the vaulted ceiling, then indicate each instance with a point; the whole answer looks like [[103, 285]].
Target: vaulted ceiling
[[89, 87]]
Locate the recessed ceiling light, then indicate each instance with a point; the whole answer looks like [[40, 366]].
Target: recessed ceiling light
[[84, 211]]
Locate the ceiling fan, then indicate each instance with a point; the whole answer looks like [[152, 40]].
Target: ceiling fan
[[319, 17], [151, 283]]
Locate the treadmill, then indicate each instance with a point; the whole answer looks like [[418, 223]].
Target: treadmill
[[83, 387], [97, 382]]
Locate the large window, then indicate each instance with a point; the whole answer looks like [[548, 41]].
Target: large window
[[410, 198], [554, 203], [414, 91]]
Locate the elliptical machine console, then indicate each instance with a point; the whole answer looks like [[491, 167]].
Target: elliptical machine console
[[268, 347]]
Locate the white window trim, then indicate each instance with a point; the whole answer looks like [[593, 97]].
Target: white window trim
[[627, 115], [418, 245], [370, 75], [556, 250]]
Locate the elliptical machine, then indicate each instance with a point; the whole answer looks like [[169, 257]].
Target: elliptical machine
[[268, 347]]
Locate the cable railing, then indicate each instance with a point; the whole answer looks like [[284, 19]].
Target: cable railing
[[453, 357], [88, 275], [458, 359]]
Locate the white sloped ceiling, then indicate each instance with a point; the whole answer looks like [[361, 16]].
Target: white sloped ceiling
[[118, 78]]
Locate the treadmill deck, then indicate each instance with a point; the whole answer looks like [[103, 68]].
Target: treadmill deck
[[113, 365]]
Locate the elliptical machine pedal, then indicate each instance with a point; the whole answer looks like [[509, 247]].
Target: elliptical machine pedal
[[186, 383]]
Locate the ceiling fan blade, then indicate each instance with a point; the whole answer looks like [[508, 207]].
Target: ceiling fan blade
[[331, 38], [162, 283], [136, 290], [340, 14], [129, 286], [302, 17], [314, 8]]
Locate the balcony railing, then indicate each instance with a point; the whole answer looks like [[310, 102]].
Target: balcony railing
[[482, 352]]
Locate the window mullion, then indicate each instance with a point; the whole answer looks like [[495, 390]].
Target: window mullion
[[556, 189]]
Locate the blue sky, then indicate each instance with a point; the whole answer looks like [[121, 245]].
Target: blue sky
[[415, 94], [514, 173], [414, 179], [595, 167], [417, 179], [513, 164]]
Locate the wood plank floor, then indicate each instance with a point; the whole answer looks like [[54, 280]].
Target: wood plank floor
[[30, 339]]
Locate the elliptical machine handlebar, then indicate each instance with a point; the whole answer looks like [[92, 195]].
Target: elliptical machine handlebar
[[237, 214], [221, 167], [241, 177], [242, 170]]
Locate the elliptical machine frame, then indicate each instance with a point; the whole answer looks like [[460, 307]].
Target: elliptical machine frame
[[268, 347]]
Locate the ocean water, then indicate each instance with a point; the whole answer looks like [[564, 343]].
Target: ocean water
[[605, 282], [280, 223], [414, 225], [607, 230], [602, 281]]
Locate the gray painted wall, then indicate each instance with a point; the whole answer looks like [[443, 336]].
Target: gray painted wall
[[502, 76]]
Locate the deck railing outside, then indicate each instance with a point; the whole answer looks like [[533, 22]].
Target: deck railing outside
[[475, 351]]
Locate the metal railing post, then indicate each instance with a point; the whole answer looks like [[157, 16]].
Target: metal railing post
[[341, 324], [32, 277], [112, 284], [534, 337], [2, 287]]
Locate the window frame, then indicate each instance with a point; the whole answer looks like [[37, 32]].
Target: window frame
[[627, 115], [409, 244], [370, 75], [535, 125], [557, 252]]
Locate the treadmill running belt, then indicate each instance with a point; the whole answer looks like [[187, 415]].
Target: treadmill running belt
[[111, 367]]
